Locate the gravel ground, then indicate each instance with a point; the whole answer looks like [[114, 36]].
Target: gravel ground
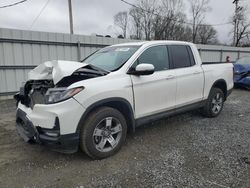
[[187, 150]]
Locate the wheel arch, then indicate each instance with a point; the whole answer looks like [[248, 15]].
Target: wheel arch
[[117, 103], [221, 84]]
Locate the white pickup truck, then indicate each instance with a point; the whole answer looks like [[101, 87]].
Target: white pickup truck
[[92, 104]]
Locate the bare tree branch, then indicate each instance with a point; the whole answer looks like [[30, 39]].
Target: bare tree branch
[[121, 20], [136, 18], [198, 10], [241, 26], [207, 35], [166, 20]]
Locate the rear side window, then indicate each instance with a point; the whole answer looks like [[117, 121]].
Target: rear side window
[[157, 56], [181, 56]]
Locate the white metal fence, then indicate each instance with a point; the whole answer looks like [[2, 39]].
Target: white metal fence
[[21, 51], [214, 53]]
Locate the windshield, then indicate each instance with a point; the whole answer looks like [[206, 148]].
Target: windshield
[[111, 58], [244, 61]]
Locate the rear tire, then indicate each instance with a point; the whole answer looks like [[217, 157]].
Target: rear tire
[[103, 133], [214, 103]]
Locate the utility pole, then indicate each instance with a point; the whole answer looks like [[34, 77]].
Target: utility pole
[[70, 17], [236, 2]]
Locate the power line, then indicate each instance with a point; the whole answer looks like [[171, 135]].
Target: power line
[[183, 22], [39, 14], [13, 4]]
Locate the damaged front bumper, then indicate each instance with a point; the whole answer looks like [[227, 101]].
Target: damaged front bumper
[[242, 80], [54, 126]]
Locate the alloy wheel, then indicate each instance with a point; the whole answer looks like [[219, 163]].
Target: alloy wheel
[[107, 134], [217, 103]]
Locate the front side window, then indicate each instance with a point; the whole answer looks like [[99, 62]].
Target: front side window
[[180, 56], [111, 58], [157, 56]]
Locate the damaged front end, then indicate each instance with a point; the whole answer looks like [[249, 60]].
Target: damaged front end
[[48, 82], [242, 76], [33, 92]]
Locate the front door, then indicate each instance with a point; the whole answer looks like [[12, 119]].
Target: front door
[[154, 93]]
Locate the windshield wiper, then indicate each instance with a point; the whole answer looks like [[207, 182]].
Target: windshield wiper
[[91, 69]]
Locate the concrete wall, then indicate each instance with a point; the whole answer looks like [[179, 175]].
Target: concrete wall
[[20, 51]]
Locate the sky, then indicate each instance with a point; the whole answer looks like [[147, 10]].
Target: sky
[[94, 16]]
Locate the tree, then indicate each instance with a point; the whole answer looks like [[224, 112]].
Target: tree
[[147, 9], [182, 33], [159, 20], [198, 10], [121, 20], [241, 27], [136, 18], [168, 18], [207, 35]]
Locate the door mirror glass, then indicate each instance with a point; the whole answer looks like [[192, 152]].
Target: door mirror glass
[[143, 69]]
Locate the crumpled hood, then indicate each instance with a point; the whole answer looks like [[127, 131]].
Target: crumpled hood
[[54, 70]]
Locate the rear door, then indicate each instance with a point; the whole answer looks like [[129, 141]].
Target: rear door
[[154, 93], [189, 75]]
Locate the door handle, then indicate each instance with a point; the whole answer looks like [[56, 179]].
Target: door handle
[[170, 77]]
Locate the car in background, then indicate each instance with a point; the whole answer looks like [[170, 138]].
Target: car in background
[[242, 73]]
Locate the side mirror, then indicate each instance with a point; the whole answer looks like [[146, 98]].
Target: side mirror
[[143, 69]]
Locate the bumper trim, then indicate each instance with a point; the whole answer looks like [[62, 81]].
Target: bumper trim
[[68, 143], [25, 127], [64, 143]]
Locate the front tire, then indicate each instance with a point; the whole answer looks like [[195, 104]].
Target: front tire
[[214, 103], [103, 133]]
